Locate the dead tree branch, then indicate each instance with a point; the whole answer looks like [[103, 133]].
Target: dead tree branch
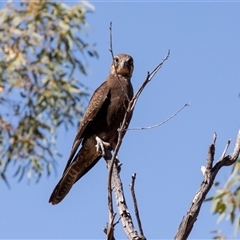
[[209, 173], [132, 185], [123, 211], [161, 123], [148, 78], [114, 181]]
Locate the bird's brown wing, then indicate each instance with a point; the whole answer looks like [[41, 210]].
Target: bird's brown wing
[[97, 100], [80, 163]]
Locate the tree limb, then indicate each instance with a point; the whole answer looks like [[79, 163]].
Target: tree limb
[[114, 182], [209, 173], [123, 211], [136, 206]]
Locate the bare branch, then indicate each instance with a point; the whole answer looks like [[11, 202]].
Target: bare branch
[[112, 54], [117, 221], [211, 153], [114, 182], [210, 173], [108, 158], [111, 47], [149, 77], [110, 166], [214, 138], [116, 185], [109, 235], [161, 123], [136, 206], [124, 213], [128, 225], [110, 230], [226, 148]]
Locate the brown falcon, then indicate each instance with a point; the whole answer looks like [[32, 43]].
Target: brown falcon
[[99, 124]]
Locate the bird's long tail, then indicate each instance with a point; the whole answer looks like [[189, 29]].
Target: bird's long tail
[[85, 159]]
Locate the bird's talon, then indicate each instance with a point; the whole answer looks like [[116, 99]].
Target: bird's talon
[[101, 145]]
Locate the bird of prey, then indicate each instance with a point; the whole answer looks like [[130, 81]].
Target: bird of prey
[[99, 125]]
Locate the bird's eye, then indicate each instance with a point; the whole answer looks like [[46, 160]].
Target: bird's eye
[[130, 61], [116, 60]]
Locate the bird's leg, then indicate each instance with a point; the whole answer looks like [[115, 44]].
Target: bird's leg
[[101, 145]]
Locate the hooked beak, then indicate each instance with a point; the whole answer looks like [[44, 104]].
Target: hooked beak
[[123, 63]]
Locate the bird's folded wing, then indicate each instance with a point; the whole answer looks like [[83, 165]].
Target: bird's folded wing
[[95, 104]]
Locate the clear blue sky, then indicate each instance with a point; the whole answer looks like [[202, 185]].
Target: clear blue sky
[[203, 68]]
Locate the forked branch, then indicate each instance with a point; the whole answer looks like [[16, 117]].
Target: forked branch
[[209, 174]]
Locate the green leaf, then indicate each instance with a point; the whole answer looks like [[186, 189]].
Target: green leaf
[[37, 68]]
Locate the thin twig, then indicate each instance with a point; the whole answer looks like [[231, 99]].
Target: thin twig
[[148, 78], [110, 202], [226, 148], [111, 47], [112, 161], [125, 216], [112, 54], [161, 123], [110, 230], [117, 222], [214, 138], [121, 130], [136, 206]]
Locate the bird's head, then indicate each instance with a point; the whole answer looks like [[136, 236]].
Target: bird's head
[[122, 65]]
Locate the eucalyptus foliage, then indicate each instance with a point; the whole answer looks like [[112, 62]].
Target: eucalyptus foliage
[[226, 201], [40, 45]]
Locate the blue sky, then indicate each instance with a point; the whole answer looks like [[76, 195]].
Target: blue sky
[[203, 68]]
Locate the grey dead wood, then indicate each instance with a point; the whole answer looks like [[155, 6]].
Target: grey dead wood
[[209, 174], [121, 204], [114, 181]]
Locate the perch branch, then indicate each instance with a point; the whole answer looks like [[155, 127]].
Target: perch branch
[[126, 218], [117, 188], [226, 148], [136, 206], [210, 173], [114, 181]]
